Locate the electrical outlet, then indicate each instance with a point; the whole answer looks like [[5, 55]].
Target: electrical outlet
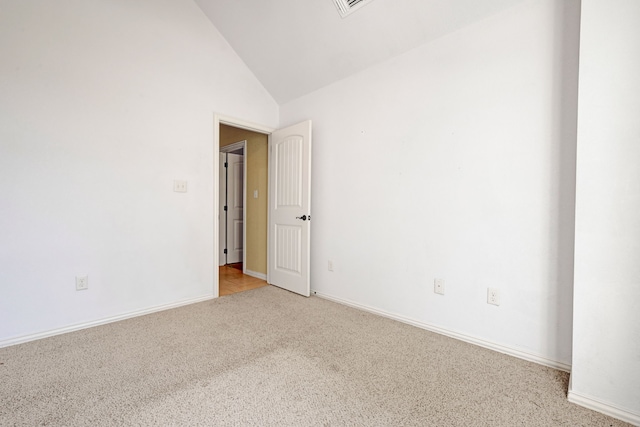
[[180, 186], [330, 265], [438, 286], [493, 296], [82, 283]]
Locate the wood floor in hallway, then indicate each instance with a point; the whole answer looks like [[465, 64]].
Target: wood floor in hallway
[[232, 280]]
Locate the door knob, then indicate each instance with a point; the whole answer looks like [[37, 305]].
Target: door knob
[[303, 217]]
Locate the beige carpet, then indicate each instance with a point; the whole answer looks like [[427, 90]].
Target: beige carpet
[[270, 358]]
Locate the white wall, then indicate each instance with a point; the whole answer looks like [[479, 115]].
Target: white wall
[[606, 336], [455, 161], [102, 106]]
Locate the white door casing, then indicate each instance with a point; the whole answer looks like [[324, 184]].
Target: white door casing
[[290, 208], [235, 207]]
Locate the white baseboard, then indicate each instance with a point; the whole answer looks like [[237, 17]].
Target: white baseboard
[[79, 326], [255, 274], [603, 407], [459, 336]]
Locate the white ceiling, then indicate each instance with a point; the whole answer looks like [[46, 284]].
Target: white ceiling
[[297, 46]]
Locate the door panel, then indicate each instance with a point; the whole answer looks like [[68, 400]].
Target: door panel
[[290, 208], [288, 240], [222, 217], [235, 207], [289, 172]]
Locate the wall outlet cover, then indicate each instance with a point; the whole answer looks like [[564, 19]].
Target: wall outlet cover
[[82, 283], [180, 186], [493, 296]]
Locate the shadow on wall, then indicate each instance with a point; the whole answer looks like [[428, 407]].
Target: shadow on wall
[[565, 122]]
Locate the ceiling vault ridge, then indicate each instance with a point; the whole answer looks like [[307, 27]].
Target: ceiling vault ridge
[[295, 47]]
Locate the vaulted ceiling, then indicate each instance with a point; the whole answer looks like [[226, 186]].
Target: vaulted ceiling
[[297, 46]]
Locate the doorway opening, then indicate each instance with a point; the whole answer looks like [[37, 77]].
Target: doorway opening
[[243, 204], [284, 194]]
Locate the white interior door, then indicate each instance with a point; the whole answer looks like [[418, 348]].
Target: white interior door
[[290, 208], [222, 217], [235, 207]]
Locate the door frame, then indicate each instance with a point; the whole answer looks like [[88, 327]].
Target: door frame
[[240, 145], [219, 119]]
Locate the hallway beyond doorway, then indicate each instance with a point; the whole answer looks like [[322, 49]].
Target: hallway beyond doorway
[[233, 281]]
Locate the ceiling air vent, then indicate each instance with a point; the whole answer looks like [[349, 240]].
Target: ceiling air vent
[[345, 7]]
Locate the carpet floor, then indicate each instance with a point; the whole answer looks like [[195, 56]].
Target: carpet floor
[[271, 358]]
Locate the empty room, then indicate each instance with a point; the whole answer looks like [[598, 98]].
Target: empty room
[[433, 212]]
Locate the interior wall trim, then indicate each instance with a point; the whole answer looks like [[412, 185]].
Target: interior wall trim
[[72, 328], [603, 407], [233, 147], [255, 274], [453, 334]]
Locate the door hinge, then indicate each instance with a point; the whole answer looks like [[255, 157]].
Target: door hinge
[[225, 251], [226, 165], [225, 208]]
